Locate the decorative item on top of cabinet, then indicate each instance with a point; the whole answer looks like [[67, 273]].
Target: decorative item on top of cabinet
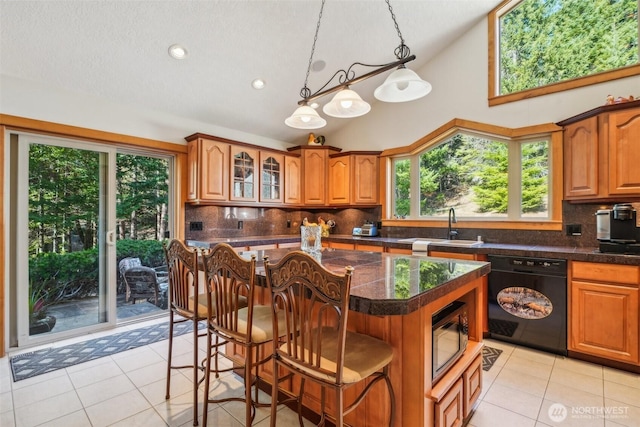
[[601, 153], [208, 169]]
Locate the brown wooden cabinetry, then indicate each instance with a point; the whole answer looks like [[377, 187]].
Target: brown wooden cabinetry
[[339, 180], [271, 177], [450, 409], [244, 174], [208, 163], [581, 159], [314, 169], [353, 179], [624, 152], [603, 314], [292, 180], [601, 153], [222, 171]]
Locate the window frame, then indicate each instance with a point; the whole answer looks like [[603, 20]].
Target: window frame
[[495, 98], [550, 132]]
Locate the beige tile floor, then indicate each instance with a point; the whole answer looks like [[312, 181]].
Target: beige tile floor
[[127, 389]]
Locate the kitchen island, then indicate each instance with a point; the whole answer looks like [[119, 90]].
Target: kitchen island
[[393, 297]]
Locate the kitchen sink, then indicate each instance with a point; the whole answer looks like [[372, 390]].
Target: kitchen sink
[[459, 243], [456, 243]]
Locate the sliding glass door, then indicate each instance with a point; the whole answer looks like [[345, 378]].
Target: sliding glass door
[[66, 220], [82, 216]]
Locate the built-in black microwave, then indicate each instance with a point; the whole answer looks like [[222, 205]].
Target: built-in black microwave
[[450, 337]]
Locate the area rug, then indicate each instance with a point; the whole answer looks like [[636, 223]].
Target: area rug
[[27, 365], [489, 357], [505, 328]]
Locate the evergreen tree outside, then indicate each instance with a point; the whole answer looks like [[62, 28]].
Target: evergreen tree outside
[[549, 41], [471, 174]]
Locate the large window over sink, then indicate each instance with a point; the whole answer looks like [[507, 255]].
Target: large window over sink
[[483, 178]]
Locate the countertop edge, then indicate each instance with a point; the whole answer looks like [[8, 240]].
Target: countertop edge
[[587, 254]]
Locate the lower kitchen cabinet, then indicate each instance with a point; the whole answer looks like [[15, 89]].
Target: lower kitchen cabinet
[[441, 254], [370, 248], [604, 308], [458, 391], [472, 382], [449, 410]]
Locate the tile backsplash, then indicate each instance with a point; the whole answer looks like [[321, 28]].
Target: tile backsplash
[[233, 222]]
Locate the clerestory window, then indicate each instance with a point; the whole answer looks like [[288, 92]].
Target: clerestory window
[[538, 47]]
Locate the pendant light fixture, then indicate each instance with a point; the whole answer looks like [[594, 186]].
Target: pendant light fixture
[[400, 86]]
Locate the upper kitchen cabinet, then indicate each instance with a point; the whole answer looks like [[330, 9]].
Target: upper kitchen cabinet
[[315, 168], [271, 177], [624, 152], [244, 167], [292, 180], [601, 153], [208, 169], [353, 178], [581, 159]]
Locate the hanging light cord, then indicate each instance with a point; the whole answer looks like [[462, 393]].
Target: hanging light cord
[[305, 92], [348, 76], [401, 51]]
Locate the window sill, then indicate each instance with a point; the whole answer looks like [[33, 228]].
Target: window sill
[[548, 225]]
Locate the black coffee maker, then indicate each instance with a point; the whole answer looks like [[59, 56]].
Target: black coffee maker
[[623, 224]]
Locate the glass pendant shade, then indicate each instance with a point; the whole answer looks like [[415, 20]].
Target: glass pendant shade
[[305, 117], [346, 104], [401, 86]]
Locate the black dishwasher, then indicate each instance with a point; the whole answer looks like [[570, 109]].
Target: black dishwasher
[[528, 302]]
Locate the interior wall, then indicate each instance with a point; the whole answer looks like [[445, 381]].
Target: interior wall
[[459, 76], [27, 99]]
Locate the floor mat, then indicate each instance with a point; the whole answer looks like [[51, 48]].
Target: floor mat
[[489, 357], [505, 328], [27, 365]]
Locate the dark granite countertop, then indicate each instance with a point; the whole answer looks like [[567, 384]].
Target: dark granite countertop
[[589, 254], [390, 284]]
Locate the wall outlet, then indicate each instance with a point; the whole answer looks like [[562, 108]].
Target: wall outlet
[[240, 225], [574, 230], [195, 226], [288, 223]]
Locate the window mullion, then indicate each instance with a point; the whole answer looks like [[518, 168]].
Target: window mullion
[[514, 193]]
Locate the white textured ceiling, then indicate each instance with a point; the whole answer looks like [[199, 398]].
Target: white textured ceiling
[[117, 50]]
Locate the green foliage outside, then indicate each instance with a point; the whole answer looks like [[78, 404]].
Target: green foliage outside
[[64, 192], [472, 173], [549, 41], [402, 187], [57, 277]]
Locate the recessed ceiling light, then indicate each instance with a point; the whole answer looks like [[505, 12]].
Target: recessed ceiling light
[[258, 84], [178, 52]]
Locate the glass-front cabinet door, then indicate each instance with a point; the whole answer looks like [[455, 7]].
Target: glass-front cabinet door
[[271, 177], [244, 181]]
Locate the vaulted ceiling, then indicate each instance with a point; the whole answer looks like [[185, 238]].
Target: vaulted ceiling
[[118, 51]]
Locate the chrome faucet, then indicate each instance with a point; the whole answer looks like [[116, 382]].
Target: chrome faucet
[[452, 234]]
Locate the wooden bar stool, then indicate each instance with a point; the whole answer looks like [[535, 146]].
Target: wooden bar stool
[[186, 302], [235, 318], [315, 343]]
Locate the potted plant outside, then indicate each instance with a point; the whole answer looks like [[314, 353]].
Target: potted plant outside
[[40, 321]]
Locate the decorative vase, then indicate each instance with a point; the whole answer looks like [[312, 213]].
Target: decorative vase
[[310, 236]]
